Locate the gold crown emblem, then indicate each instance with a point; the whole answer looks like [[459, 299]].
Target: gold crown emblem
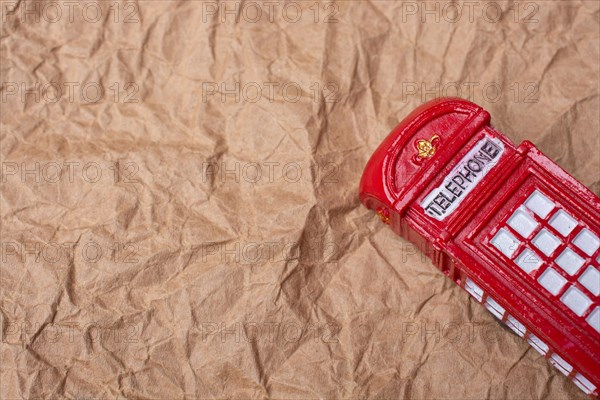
[[426, 148]]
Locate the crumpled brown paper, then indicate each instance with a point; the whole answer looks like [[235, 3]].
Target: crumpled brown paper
[[179, 194]]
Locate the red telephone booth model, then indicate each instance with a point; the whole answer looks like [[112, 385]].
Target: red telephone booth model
[[506, 223]]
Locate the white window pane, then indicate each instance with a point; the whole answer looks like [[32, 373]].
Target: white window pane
[[576, 300], [528, 261], [546, 242], [591, 280], [494, 308], [523, 223], [583, 383], [505, 242], [561, 364], [563, 222], [594, 319], [552, 281], [473, 289], [587, 241], [537, 344], [539, 204], [569, 261], [515, 325]]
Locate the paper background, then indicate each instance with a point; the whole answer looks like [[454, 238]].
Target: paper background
[[204, 279]]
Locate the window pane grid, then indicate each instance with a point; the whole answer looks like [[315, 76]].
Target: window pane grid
[[540, 244], [534, 233]]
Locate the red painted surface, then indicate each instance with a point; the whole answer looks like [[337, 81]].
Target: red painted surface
[[397, 181]]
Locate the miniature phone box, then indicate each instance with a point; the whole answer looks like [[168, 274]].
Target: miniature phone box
[[505, 223]]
